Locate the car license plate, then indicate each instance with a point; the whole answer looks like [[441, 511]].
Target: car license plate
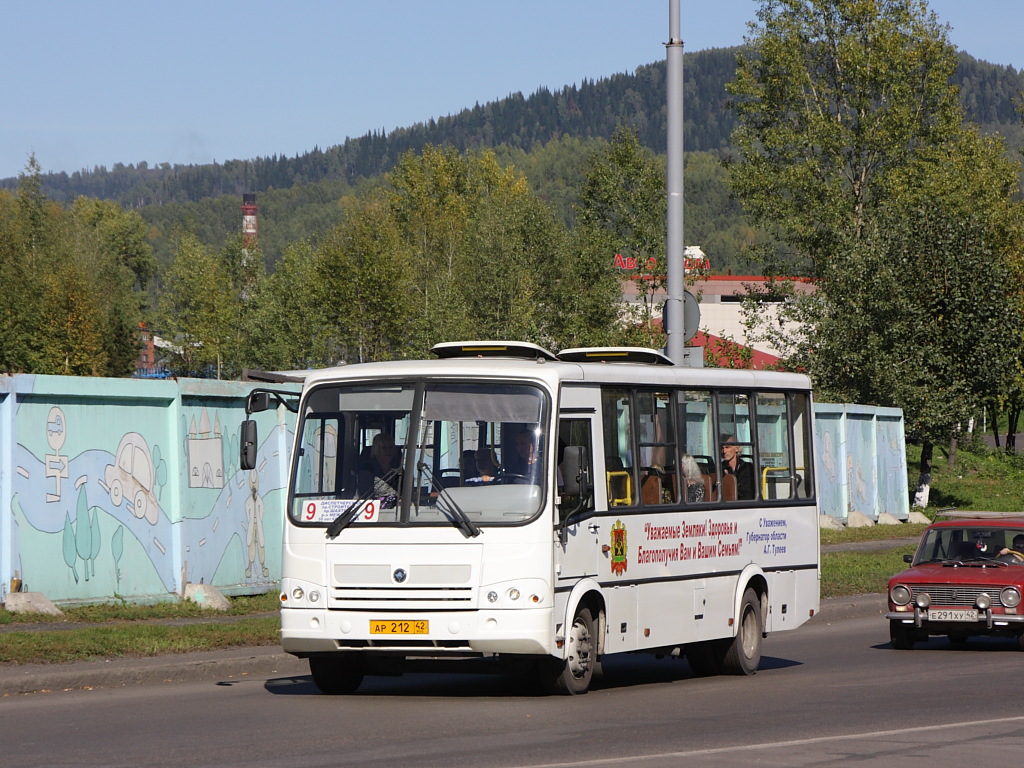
[[952, 614], [392, 627]]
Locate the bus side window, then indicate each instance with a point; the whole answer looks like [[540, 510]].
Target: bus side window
[[657, 443], [695, 419], [617, 418], [575, 470], [803, 460]]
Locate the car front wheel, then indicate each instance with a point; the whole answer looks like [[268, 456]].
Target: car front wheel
[[902, 635]]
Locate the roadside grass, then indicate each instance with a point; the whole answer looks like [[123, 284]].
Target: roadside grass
[[91, 643], [982, 480], [872, 533], [245, 605], [860, 573]]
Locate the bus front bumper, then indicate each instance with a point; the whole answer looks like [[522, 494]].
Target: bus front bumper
[[526, 631]]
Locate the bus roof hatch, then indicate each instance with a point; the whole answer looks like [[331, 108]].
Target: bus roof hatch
[[614, 355], [517, 349]]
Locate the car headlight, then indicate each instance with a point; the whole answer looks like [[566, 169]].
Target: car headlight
[[900, 595], [984, 601], [1010, 597]]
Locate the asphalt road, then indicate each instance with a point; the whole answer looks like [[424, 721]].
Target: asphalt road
[[241, 663], [830, 693]]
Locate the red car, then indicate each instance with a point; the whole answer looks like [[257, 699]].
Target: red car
[[965, 579]]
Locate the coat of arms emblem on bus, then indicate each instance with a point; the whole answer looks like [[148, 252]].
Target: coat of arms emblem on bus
[[618, 548]]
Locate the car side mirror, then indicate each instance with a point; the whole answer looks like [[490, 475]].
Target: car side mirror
[[247, 445], [908, 558]]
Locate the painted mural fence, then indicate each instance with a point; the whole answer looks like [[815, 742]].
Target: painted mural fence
[[129, 489], [862, 461]]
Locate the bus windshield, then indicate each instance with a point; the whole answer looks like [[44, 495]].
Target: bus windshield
[[413, 453]]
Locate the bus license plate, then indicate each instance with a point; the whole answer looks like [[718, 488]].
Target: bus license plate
[[952, 614], [390, 627]]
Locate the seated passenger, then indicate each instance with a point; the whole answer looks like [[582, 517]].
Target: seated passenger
[[692, 478], [524, 465], [486, 472], [734, 464], [469, 468], [382, 464]]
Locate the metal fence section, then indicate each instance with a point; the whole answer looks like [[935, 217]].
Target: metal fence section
[[129, 489], [862, 461]]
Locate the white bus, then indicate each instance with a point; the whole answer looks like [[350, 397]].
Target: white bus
[[547, 509]]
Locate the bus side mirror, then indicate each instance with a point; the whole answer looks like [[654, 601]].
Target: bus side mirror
[[575, 471], [257, 402], [247, 445]]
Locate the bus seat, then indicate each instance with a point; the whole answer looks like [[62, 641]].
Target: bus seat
[[729, 487], [709, 488], [650, 490]]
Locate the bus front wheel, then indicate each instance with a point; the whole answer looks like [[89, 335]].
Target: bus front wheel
[[336, 674], [572, 675]]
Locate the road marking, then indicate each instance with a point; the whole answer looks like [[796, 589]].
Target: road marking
[[636, 759]]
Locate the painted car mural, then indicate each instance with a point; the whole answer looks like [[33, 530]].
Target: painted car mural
[[131, 477]]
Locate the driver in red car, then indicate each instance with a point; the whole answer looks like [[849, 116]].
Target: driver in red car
[[1017, 550]]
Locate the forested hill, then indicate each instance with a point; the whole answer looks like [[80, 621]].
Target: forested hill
[[591, 109]]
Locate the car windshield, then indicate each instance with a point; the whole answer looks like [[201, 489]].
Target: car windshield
[[971, 544], [427, 453]]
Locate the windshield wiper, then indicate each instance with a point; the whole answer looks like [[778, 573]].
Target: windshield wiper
[[346, 518], [450, 509]]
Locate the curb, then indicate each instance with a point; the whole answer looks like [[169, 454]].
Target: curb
[[230, 665], [836, 609]]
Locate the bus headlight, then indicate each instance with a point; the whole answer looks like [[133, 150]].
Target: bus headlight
[[314, 596], [518, 594], [900, 595], [298, 593]]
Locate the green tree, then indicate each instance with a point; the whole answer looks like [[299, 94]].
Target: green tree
[[123, 267], [488, 257], [20, 312], [197, 311], [73, 303], [290, 326], [832, 98], [622, 213], [366, 271], [852, 148], [434, 198], [120, 234]]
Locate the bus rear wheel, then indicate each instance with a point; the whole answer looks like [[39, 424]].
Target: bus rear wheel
[[571, 676], [743, 654], [336, 674]]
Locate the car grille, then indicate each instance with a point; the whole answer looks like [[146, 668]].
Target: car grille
[[947, 595]]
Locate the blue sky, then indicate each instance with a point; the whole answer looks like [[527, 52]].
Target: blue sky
[[198, 81]]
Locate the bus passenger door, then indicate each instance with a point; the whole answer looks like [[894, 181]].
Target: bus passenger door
[[579, 530]]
